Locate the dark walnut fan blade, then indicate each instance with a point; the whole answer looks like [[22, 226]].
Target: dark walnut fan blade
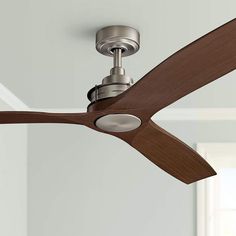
[[16, 117], [194, 66], [170, 154]]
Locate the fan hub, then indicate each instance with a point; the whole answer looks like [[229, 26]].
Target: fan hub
[[118, 122]]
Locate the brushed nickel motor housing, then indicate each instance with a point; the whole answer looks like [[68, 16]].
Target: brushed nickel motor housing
[[106, 91], [117, 41], [117, 36], [112, 85]]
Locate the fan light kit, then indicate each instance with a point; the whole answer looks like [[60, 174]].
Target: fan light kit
[[123, 109]]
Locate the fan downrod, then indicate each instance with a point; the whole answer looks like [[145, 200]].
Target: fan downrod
[[115, 41]]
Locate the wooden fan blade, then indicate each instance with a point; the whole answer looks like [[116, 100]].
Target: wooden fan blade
[[170, 154], [194, 66], [15, 117]]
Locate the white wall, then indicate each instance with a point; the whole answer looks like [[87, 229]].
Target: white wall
[[13, 179]]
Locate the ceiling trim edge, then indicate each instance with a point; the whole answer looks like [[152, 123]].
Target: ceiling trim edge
[[11, 99]]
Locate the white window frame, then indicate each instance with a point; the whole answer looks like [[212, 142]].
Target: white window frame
[[210, 151]]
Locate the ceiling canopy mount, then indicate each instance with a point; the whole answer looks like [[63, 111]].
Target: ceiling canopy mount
[[117, 37]]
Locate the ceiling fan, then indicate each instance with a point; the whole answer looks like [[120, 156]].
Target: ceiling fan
[[124, 110]]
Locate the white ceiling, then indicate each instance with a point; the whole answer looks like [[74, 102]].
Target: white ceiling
[[47, 54]]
